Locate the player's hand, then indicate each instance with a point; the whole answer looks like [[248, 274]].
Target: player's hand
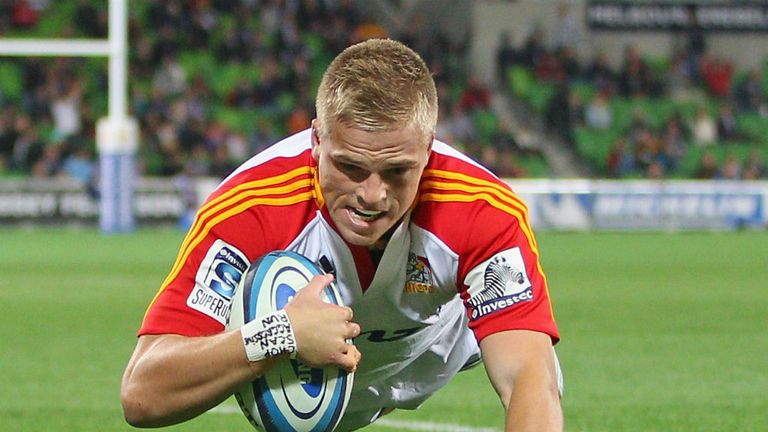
[[322, 329]]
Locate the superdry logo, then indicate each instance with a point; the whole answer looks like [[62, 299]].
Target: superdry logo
[[418, 277], [216, 280], [502, 283]]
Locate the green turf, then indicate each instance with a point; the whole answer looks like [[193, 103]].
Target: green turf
[[661, 332]]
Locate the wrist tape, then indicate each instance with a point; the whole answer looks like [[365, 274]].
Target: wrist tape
[[268, 336]]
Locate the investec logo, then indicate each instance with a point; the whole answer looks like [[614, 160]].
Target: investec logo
[[504, 283], [216, 280], [484, 309]]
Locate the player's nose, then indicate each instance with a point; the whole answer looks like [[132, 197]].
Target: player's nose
[[372, 190]]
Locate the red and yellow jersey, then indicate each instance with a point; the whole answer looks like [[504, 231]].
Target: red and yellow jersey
[[462, 265]]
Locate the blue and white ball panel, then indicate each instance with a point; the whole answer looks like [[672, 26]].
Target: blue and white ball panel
[[290, 397]]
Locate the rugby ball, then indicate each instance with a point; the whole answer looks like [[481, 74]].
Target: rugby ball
[[290, 396]]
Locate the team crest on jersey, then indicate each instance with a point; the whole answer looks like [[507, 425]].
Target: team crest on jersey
[[216, 280], [418, 276], [505, 283]]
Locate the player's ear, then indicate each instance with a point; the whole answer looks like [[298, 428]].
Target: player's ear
[[315, 141], [429, 144]]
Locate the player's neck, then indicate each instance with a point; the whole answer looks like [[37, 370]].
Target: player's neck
[[377, 248]]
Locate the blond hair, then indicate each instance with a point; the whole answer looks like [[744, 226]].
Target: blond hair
[[377, 85]]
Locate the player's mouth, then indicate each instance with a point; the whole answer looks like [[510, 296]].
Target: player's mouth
[[364, 216]]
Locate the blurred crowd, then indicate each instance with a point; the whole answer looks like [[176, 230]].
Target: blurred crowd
[[690, 77], [212, 82]]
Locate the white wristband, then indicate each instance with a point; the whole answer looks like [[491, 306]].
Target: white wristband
[[268, 336]]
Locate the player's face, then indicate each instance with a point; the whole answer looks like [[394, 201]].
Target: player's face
[[369, 179]]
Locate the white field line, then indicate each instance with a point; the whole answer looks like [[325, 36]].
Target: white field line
[[428, 426], [389, 423]]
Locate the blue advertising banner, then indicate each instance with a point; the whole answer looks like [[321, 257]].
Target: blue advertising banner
[[644, 205]]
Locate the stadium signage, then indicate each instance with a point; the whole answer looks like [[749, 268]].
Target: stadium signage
[[692, 210], [710, 16], [638, 205], [61, 201]]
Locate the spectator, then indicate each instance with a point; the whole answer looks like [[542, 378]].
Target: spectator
[[49, 162], [460, 125], [602, 75], [549, 68], [673, 142], [66, 105], [23, 15], [708, 167], [678, 78], [89, 19], [598, 113], [620, 161], [506, 56], [717, 73], [79, 165], [655, 171], [29, 146], [476, 95], [749, 93], [8, 137], [558, 114], [569, 64], [731, 169], [533, 48], [171, 78], [647, 149], [635, 77], [704, 128], [754, 168], [727, 128], [298, 119], [242, 94], [489, 157], [508, 165]]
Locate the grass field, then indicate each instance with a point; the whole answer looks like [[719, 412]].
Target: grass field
[[661, 332]]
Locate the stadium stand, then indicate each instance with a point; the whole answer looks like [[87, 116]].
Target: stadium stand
[[653, 117], [211, 83]]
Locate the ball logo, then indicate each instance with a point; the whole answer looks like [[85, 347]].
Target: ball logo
[[283, 294], [291, 396]]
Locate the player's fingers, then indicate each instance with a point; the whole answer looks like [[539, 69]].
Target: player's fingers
[[348, 313], [317, 284], [353, 330], [350, 360]]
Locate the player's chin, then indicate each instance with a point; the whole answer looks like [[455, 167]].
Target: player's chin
[[359, 239], [362, 232], [358, 236]]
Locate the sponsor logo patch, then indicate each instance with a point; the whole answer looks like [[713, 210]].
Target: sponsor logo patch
[[216, 280], [504, 283], [418, 275]]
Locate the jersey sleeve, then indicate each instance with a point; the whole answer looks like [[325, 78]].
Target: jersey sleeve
[[504, 286], [242, 220], [194, 299], [499, 276]]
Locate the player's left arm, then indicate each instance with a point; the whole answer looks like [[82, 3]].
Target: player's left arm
[[522, 368]]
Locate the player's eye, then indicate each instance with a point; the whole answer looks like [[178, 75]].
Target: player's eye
[[396, 171], [351, 170]]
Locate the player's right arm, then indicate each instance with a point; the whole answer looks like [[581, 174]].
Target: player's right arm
[[172, 378]]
